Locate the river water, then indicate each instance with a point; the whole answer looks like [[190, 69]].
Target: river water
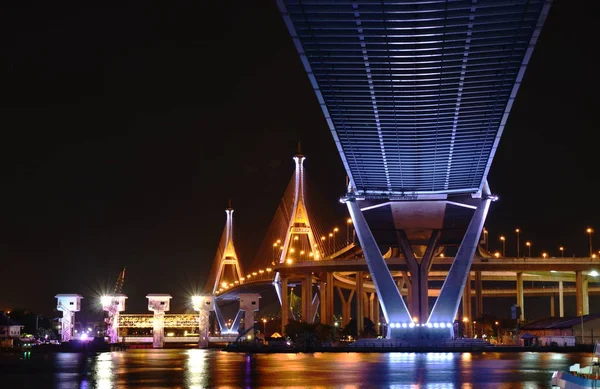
[[178, 368]]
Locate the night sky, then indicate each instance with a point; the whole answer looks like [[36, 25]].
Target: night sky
[[126, 130]]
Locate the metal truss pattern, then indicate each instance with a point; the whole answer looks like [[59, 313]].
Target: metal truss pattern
[[415, 93]]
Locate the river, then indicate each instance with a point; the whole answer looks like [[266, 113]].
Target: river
[[179, 368]]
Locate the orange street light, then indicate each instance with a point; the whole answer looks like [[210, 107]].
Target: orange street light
[[517, 231], [528, 244], [503, 239], [590, 231]]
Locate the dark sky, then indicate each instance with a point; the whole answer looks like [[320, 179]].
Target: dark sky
[[126, 130]]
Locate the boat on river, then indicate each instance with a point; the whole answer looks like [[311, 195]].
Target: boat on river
[[579, 377]]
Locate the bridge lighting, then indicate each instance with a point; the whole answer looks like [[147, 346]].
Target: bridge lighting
[[392, 325], [292, 250], [278, 241], [503, 240], [269, 270], [544, 255], [336, 229], [562, 251], [261, 271], [330, 234], [243, 279], [105, 300], [254, 273], [237, 282], [310, 254], [322, 238], [404, 325], [301, 252], [289, 261], [435, 325], [497, 254], [590, 231], [465, 319], [249, 276], [429, 325], [411, 325], [296, 237], [528, 244], [415, 319], [223, 284], [442, 255], [449, 325], [593, 273]]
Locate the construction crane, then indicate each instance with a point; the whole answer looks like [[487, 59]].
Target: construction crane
[[112, 304]]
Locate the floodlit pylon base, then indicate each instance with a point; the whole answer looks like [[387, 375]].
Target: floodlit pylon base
[[66, 326], [421, 333]]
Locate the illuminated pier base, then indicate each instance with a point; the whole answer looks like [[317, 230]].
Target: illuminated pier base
[[68, 304], [249, 304], [159, 304], [113, 304], [204, 305]]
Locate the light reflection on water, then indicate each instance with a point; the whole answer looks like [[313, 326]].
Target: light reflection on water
[[215, 369]]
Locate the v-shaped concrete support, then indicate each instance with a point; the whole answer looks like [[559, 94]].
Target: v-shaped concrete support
[[446, 305], [394, 309], [419, 271]]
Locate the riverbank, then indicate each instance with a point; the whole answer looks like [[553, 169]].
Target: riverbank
[[248, 348]]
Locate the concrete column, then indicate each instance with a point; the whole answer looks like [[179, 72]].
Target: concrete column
[[581, 286], [466, 299], [360, 301], [366, 306], [306, 298], [159, 304], [561, 299], [323, 291], [520, 295], [552, 313], [285, 303], [372, 302], [405, 282], [478, 295], [330, 300]]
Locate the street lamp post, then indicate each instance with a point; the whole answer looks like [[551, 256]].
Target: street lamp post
[[264, 326], [485, 237], [330, 246], [517, 231], [503, 239], [348, 222], [589, 231], [528, 244], [562, 251]]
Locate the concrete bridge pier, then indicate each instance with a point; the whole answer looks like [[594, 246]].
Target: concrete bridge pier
[[478, 295], [285, 302], [204, 305], [307, 298], [582, 297], [466, 300], [249, 304], [561, 299], [520, 295], [159, 304], [346, 307], [326, 291], [360, 304]]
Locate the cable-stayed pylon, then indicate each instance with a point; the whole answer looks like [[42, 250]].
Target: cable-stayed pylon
[[299, 242], [226, 256]]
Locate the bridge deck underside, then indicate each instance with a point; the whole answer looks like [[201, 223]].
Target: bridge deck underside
[[416, 94]]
